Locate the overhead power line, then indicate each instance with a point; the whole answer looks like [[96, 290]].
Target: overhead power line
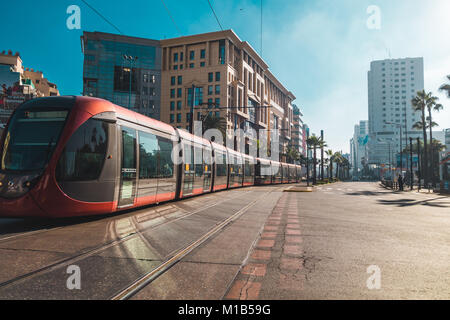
[[101, 16], [171, 18], [215, 15]]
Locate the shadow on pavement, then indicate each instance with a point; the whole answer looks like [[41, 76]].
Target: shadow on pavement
[[412, 202], [367, 193]]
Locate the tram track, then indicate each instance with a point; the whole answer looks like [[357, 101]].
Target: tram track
[[146, 279], [102, 247], [40, 231]]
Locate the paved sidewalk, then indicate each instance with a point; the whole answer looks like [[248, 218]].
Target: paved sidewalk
[[276, 268]]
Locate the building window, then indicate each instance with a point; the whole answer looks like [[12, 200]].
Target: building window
[[172, 93], [217, 114], [175, 67], [180, 80], [217, 76], [175, 57], [218, 89], [222, 52], [191, 55], [178, 117], [179, 93], [217, 102], [145, 77], [178, 105], [210, 77], [210, 103], [172, 105], [172, 118], [191, 65], [181, 67], [202, 54], [210, 90], [202, 64], [172, 81], [198, 96], [122, 79], [181, 56], [188, 116]]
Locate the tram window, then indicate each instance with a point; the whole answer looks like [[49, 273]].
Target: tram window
[[148, 149], [198, 161], [31, 139], [129, 148], [221, 167], [165, 164], [247, 168], [84, 155], [188, 154]]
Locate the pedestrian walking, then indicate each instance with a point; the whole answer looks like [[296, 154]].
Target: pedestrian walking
[[400, 182]]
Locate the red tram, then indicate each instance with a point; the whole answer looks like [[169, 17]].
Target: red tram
[[79, 156]]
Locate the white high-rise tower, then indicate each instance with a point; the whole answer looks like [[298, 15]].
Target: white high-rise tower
[[393, 83]]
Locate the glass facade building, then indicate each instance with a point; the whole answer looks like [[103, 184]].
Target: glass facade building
[[131, 83]]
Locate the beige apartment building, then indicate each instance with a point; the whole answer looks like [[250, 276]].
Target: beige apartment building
[[229, 80], [18, 84], [44, 87]]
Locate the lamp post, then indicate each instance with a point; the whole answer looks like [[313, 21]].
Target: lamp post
[[401, 151], [390, 160], [191, 111], [419, 166], [411, 176], [131, 60], [307, 159]]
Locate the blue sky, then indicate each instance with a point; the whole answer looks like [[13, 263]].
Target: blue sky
[[320, 50]]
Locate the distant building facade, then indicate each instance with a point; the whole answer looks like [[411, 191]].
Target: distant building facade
[[298, 137], [216, 73], [133, 84], [18, 84], [392, 84], [227, 79], [359, 146]]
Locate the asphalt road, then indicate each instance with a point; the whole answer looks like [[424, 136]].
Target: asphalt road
[[343, 241]]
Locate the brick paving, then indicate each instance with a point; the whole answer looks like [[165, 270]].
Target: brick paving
[[275, 264]]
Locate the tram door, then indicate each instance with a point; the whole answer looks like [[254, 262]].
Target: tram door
[[128, 177], [189, 172], [207, 164]]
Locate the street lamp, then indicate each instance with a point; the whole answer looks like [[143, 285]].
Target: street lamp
[[132, 60], [401, 151]]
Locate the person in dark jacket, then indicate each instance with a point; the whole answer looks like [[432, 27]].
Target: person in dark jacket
[[400, 182]]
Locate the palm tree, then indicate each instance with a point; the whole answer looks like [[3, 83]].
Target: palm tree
[[329, 153], [292, 154], [419, 103], [314, 143], [322, 144], [432, 105], [446, 87], [213, 122], [338, 159]]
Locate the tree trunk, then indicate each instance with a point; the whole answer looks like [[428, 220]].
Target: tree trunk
[[431, 149], [331, 170], [315, 172], [321, 163], [425, 144]]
